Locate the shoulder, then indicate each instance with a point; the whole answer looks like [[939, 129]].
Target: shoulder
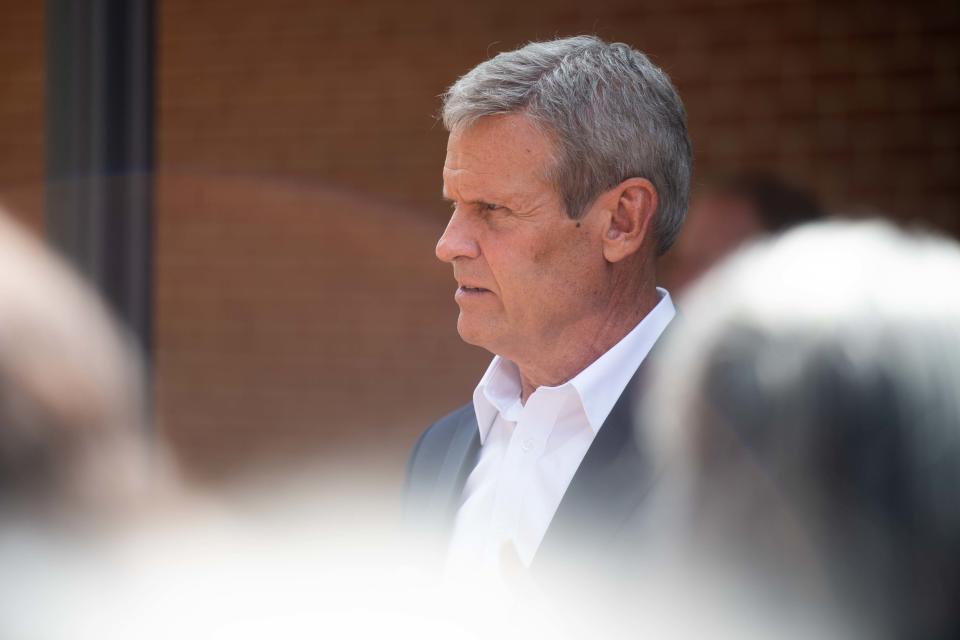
[[435, 440], [429, 452]]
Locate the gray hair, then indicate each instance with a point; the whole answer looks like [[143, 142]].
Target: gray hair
[[612, 113]]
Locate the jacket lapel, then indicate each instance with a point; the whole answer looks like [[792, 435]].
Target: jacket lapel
[[459, 461], [606, 489]]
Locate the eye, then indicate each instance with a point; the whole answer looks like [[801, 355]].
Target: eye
[[488, 207]]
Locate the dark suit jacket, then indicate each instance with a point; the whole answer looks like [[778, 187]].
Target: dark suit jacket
[[589, 530]]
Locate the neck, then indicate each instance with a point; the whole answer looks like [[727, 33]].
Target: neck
[[583, 344]]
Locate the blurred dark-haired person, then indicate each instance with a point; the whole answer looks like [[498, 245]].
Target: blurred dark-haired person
[[73, 434], [730, 212], [76, 457], [806, 409], [567, 170]]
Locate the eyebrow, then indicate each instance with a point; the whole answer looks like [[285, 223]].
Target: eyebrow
[[480, 203], [447, 198]]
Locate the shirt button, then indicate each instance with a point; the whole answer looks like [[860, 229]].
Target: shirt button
[[527, 445]]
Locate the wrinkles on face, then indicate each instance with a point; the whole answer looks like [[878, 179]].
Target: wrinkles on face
[[466, 187], [509, 233], [500, 158]]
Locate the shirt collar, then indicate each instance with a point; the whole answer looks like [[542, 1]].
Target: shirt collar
[[603, 381], [497, 393], [598, 386]]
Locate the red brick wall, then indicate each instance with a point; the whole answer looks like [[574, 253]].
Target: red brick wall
[[298, 303], [297, 319], [21, 110], [857, 100]]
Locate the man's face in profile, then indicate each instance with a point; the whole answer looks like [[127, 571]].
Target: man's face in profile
[[526, 271]]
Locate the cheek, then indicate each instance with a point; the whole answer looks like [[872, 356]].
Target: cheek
[[553, 281], [545, 254], [546, 251], [549, 274], [524, 287], [566, 260]]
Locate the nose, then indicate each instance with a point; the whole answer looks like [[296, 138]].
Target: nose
[[458, 239]]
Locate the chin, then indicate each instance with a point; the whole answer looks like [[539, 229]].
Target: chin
[[474, 333]]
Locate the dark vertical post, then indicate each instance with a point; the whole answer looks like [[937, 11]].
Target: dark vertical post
[[100, 149]]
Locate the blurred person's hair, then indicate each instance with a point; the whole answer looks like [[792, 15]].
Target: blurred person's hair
[[611, 112], [72, 418], [777, 204], [812, 387]]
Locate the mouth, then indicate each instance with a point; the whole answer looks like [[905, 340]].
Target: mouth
[[465, 292]]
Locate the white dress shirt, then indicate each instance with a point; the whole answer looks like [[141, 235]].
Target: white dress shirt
[[530, 452]]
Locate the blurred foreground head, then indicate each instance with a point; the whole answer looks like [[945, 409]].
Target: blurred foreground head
[[72, 420], [811, 394]]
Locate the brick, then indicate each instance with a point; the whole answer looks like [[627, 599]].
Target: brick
[[279, 121]]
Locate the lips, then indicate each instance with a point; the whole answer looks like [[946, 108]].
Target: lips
[[471, 287], [471, 291]]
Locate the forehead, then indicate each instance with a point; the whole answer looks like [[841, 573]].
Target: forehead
[[498, 155]]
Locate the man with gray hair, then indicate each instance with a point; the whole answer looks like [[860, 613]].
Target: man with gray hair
[[567, 169]]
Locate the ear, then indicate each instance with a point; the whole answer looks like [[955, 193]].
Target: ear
[[630, 206]]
